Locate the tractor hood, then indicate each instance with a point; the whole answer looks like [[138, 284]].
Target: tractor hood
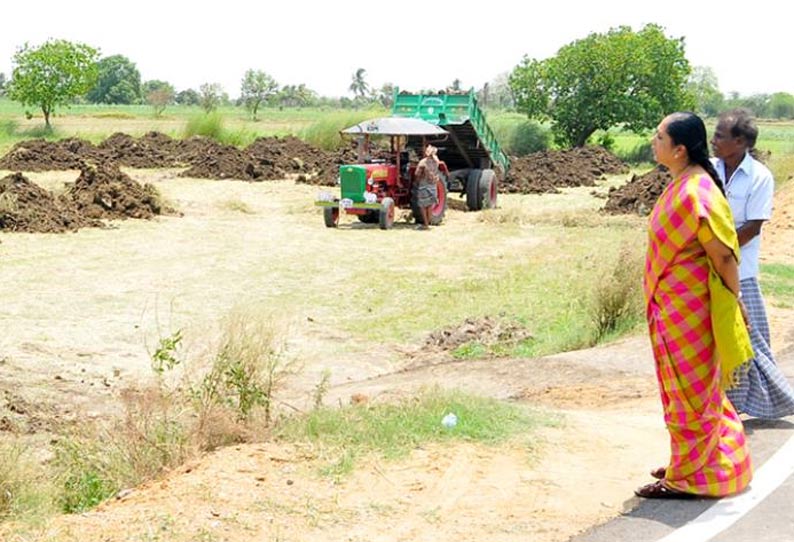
[[389, 126]]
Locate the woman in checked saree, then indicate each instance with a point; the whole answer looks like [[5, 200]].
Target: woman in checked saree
[[695, 319]]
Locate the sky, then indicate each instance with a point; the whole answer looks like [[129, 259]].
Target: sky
[[413, 44]]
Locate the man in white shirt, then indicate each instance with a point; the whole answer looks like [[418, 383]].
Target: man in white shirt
[[749, 187]]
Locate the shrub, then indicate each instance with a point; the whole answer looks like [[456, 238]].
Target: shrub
[[528, 137], [617, 299]]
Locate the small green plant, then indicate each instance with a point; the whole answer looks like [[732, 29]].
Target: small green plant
[[248, 367], [164, 357]]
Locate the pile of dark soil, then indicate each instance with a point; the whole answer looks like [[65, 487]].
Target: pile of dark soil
[[546, 171], [152, 150], [26, 207], [42, 155], [639, 194], [212, 160], [104, 191]]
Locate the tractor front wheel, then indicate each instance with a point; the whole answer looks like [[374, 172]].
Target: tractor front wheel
[[331, 216], [386, 214]]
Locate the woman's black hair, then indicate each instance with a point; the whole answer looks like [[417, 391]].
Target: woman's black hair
[[687, 129]]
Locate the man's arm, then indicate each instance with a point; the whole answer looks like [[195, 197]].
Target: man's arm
[[747, 231]]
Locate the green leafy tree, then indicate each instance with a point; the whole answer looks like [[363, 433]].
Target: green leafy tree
[[52, 74], [118, 82], [386, 95], [359, 86], [188, 97], [210, 96], [781, 106], [702, 85], [456, 85], [257, 88], [296, 96], [603, 80], [758, 104]]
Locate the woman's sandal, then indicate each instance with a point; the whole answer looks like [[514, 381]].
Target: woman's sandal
[[659, 473], [657, 490]]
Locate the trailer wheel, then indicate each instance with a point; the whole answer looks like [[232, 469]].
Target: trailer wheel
[[473, 192], [488, 189], [386, 214], [331, 216]]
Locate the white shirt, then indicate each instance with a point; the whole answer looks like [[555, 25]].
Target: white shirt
[[749, 190]]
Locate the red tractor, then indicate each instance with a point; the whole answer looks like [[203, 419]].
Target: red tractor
[[383, 179]]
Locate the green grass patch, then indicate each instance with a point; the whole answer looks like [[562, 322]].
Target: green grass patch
[[324, 132], [777, 282], [392, 430]]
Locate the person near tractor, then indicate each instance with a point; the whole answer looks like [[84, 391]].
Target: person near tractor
[[425, 189], [696, 320], [763, 391]]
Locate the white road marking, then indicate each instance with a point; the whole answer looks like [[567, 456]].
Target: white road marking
[[726, 512]]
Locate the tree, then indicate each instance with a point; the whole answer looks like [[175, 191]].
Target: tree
[[781, 106], [2, 84], [386, 95], [702, 85], [188, 97], [456, 85], [52, 74], [210, 96], [118, 82], [359, 86], [257, 87], [603, 80], [158, 94]]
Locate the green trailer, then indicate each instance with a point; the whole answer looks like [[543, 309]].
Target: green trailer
[[471, 151]]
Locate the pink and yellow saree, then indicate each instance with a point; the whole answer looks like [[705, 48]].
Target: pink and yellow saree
[[698, 338]]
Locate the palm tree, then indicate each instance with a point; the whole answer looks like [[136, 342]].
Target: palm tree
[[359, 86]]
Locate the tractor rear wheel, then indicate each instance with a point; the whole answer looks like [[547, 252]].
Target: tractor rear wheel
[[438, 210], [386, 215], [331, 216]]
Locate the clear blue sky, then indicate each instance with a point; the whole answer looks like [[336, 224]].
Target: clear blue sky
[[411, 43]]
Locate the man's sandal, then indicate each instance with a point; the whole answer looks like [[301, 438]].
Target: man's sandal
[[657, 490]]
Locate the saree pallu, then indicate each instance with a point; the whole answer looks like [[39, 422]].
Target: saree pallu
[[693, 344]]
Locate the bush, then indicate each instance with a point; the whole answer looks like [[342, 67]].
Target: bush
[[209, 125], [528, 137], [617, 300], [641, 153]]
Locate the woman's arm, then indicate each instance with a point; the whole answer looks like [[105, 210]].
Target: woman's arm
[[724, 262]]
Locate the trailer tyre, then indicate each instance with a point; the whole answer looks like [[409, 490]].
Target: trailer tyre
[[488, 189], [331, 216], [386, 214], [473, 192]]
